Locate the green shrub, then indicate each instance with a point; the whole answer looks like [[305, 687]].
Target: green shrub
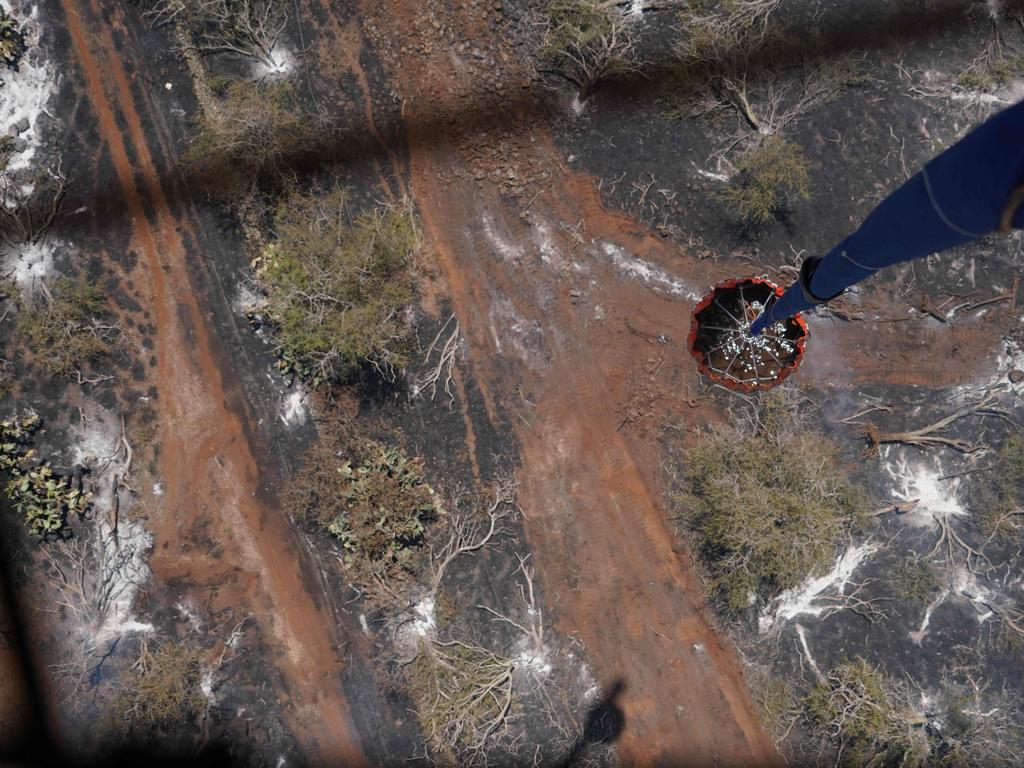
[[856, 706], [996, 496], [769, 179], [461, 693], [374, 501], [769, 504], [40, 496], [776, 701], [12, 41], [914, 580], [65, 328], [339, 290]]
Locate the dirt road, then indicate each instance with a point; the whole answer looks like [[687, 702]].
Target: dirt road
[[543, 282], [206, 461]]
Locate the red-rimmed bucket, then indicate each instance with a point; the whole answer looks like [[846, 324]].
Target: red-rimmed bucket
[[724, 351]]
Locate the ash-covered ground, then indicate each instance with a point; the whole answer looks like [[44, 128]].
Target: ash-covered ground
[[551, 608]]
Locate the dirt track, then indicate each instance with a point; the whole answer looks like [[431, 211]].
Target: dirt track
[[561, 302], [206, 461], [595, 526]]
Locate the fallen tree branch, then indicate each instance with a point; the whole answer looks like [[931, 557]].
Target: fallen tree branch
[[931, 435]]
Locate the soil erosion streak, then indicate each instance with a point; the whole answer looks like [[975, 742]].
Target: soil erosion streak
[[207, 463]]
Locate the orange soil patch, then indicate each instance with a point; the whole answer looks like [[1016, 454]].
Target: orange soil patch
[[206, 461]]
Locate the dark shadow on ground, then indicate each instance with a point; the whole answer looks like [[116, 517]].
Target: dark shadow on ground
[[604, 724], [334, 145]]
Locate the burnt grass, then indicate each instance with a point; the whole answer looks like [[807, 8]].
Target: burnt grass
[[246, 726], [623, 133]]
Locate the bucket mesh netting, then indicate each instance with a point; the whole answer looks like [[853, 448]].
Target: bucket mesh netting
[[722, 348]]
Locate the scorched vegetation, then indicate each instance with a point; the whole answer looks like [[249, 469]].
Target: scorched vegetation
[[12, 41], [373, 500], [587, 42]]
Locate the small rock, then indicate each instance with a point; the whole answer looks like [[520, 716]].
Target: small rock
[[20, 127], [19, 145], [1016, 376]]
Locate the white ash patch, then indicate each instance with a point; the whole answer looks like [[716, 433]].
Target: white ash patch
[[294, 406], [919, 478], [919, 634], [96, 440], [189, 614], [721, 177], [503, 246], [526, 337], [415, 625], [206, 685], [807, 598], [648, 273], [534, 660], [967, 586], [279, 63], [801, 632], [29, 264], [95, 443], [1010, 359], [550, 253], [249, 302], [25, 93]]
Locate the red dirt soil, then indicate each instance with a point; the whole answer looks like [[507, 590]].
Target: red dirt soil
[[535, 296], [206, 461], [597, 531], [555, 329]]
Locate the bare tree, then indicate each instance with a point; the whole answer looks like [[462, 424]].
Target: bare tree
[[28, 211], [248, 28], [463, 691], [443, 371], [587, 41]]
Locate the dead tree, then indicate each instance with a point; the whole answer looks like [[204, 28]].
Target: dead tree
[[462, 691], [443, 371], [247, 28], [587, 41], [933, 435], [28, 211]]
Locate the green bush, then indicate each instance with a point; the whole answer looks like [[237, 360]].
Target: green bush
[[64, 328], [856, 706], [996, 496], [12, 41], [374, 501], [769, 179], [40, 496], [339, 290], [914, 580], [871, 721], [769, 504]]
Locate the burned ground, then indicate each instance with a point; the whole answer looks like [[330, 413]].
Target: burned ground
[[565, 241]]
